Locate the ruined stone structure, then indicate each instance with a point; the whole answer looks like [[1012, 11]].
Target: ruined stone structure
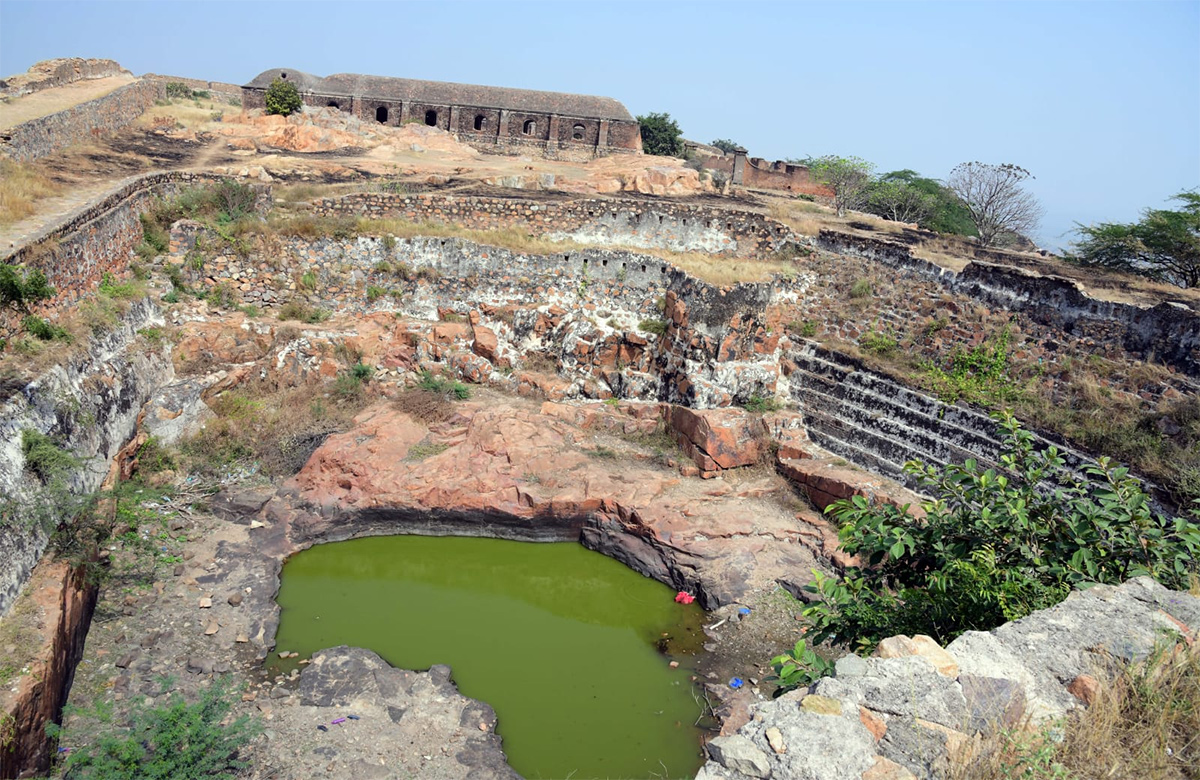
[[498, 119], [758, 173]]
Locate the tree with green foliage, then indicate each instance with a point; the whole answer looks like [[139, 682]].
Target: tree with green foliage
[[283, 98], [726, 145], [661, 135], [994, 545], [848, 177], [899, 201], [20, 288], [172, 741], [1164, 245], [993, 194]]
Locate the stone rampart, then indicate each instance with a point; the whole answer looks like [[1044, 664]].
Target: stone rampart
[[46, 135], [230, 93], [56, 73], [99, 238], [1168, 333], [674, 226]]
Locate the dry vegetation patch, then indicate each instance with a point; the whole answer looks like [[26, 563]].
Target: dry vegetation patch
[[22, 185]]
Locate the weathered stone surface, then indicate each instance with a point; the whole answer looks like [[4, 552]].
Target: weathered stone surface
[[740, 755], [884, 769], [919, 646], [717, 438], [995, 704], [821, 705], [1085, 688]]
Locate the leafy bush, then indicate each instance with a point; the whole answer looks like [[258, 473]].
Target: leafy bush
[[46, 331], [661, 135], [993, 546], [44, 457], [978, 375], [882, 344], [445, 387], [362, 371], [761, 405], [799, 666], [805, 328], [19, 289], [175, 740], [726, 145], [283, 98], [862, 289]]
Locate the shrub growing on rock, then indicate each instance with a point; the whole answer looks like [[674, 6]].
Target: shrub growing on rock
[[993, 546], [282, 98]]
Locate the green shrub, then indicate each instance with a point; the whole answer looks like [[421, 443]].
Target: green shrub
[[307, 281], [994, 547], [46, 331], [979, 375], [862, 289], [804, 328], [657, 327], [445, 387], [375, 292], [283, 98], [362, 371], [154, 234], [174, 740], [126, 290], [799, 666], [761, 405], [44, 457], [19, 289], [882, 344]]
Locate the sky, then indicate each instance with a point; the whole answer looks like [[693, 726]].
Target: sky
[[1100, 101]]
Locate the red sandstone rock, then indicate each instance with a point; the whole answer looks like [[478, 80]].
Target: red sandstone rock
[[717, 438], [1085, 688], [873, 722]]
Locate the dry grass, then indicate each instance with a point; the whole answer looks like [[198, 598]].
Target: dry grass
[[21, 186], [277, 428], [187, 114], [428, 406], [1143, 725]]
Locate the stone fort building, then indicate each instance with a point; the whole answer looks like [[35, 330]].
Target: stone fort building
[[495, 119]]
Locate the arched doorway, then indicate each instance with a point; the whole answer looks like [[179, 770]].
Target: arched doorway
[[431, 118], [381, 115]]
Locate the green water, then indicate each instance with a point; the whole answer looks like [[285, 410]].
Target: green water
[[561, 641]]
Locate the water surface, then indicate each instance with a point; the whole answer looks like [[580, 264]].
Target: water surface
[[563, 642]]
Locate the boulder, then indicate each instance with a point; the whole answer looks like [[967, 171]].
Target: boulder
[[717, 439]]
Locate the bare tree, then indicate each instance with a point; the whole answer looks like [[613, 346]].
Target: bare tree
[[993, 195]]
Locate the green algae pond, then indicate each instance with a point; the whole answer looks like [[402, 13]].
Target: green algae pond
[[570, 647]]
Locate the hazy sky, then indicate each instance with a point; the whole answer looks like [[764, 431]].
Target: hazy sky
[[1099, 100]]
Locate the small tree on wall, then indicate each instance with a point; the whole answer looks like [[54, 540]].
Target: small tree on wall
[[661, 135], [283, 98]]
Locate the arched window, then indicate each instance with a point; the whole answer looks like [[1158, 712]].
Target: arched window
[[577, 132], [530, 127], [479, 120], [431, 118], [381, 115]]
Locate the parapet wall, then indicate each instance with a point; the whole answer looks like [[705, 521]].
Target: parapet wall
[[230, 93], [75, 253], [46, 135], [1168, 333], [674, 226], [48, 74]]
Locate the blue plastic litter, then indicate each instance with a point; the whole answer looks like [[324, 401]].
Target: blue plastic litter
[[322, 727], [736, 682], [744, 611], [352, 717]]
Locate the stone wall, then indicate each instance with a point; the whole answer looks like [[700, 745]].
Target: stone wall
[[56, 73], [230, 93], [916, 710], [1168, 333], [45, 135], [99, 238], [662, 224]]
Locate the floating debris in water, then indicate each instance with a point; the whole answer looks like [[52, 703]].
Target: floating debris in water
[[683, 597]]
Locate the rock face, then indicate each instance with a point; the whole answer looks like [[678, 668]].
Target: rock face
[[918, 708], [456, 735], [512, 469]]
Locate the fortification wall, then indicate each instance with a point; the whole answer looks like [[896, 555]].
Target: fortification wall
[[230, 93], [99, 238], [1053, 306], [45, 135], [48, 74], [675, 226]]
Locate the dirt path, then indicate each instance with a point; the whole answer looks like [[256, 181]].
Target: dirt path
[[48, 101]]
